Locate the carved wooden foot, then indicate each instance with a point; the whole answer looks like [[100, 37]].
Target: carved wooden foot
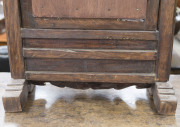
[[16, 95], [164, 97]]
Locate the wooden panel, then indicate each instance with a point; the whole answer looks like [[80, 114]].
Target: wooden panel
[[150, 23], [89, 34], [166, 28], [132, 9], [90, 54], [90, 44], [91, 77], [13, 23], [89, 65]]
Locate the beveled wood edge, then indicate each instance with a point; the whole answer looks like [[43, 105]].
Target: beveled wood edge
[[106, 24], [91, 77], [89, 34], [90, 44], [90, 54]]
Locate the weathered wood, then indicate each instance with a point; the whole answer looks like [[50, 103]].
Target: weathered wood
[[135, 9], [90, 77], [15, 96], [166, 29], [152, 14], [90, 44], [89, 54], [89, 24], [150, 23], [90, 65], [13, 24], [165, 100], [89, 34], [92, 48], [31, 22]]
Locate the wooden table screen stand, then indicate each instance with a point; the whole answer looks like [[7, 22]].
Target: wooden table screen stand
[[83, 46]]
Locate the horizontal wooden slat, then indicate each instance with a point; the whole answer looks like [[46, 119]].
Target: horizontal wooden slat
[[90, 44], [91, 77], [89, 24], [90, 65], [90, 54], [89, 34]]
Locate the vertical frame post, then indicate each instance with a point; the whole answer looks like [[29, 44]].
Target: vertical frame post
[[166, 34], [13, 27]]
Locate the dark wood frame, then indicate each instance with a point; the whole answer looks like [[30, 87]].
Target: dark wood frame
[[166, 29], [20, 29], [14, 40]]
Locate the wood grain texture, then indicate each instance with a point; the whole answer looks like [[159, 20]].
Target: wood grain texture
[[89, 24], [130, 9], [150, 23], [15, 96], [89, 34], [90, 44], [31, 22], [166, 30], [164, 99], [13, 24], [89, 54], [152, 14], [90, 77], [90, 65]]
